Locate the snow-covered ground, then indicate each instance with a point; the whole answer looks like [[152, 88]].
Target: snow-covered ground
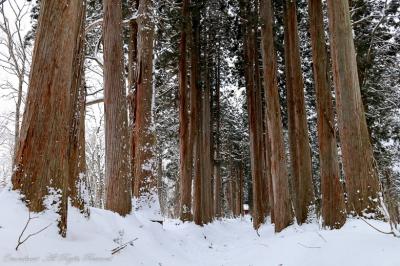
[[227, 242]]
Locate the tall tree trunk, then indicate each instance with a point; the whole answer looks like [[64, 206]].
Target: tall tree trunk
[[118, 176], [256, 138], [280, 184], [217, 153], [268, 155], [206, 148], [333, 208], [195, 108], [254, 111], [185, 158], [21, 79], [263, 190], [298, 132], [145, 139], [239, 190], [42, 158], [360, 169], [77, 162], [132, 87], [237, 184], [229, 190]]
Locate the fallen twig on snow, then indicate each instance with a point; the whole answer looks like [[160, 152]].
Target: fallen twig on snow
[[305, 246], [380, 231], [121, 247], [323, 238], [20, 242]]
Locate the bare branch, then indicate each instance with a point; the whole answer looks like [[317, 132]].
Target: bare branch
[[20, 242], [380, 231], [94, 102], [99, 22], [121, 247], [305, 246]]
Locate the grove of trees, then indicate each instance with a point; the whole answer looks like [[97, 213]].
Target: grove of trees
[[204, 107]]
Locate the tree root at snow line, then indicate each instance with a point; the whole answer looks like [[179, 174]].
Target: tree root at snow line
[[380, 231]]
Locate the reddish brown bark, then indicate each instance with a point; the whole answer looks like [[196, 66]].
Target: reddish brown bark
[[185, 158], [255, 115], [132, 87], [268, 155], [42, 157], [360, 169], [217, 153], [118, 176], [301, 167], [333, 208], [195, 111], [77, 163], [145, 140], [237, 187], [259, 99], [280, 184], [206, 168], [256, 137]]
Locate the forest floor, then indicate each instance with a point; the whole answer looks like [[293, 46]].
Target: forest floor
[[229, 242]]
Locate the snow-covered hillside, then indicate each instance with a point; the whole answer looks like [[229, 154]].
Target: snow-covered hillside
[[226, 242]]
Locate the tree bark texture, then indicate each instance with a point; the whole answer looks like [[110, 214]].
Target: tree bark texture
[[206, 168], [77, 162], [118, 175], [255, 115], [217, 150], [42, 158], [195, 111], [237, 188], [185, 158], [301, 167], [132, 88], [333, 208], [267, 144], [256, 135], [279, 174], [145, 139], [361, 175], [259, 100]]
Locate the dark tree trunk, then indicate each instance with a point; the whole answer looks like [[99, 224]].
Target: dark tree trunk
[[255, 116], [300, 152], [266, 171], [145, 139], [256, 134], [42, 157], [118, 175], [333, 208], [185, 158], [206, 149], [77, 162], [280, 184], [237, 189], [359, 165], [132, 87], [217, 153], [195, 111]]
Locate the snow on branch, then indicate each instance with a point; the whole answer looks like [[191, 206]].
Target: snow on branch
[[99, 22]]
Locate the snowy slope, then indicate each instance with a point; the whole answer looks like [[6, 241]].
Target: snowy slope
[[227, 242]]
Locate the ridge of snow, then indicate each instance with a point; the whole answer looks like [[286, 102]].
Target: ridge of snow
[[229, 242]]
